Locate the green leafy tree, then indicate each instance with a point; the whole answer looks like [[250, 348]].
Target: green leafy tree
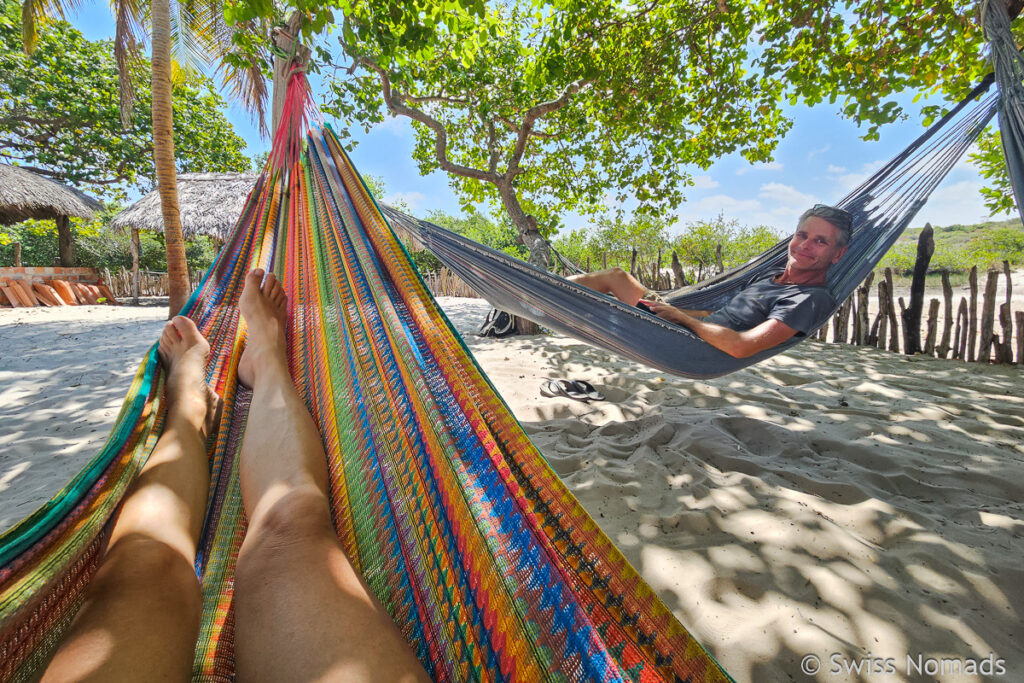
[[60, 117], [543, 108], [989, 159], [194, 32], [479, 228]]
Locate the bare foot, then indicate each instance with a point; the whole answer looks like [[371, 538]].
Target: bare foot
[[184, 351], [264, 305]]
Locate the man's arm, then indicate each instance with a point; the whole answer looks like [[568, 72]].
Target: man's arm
[[737, 344], [688, 311]]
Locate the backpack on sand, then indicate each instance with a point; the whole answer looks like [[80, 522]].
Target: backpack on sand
[[498, 324]]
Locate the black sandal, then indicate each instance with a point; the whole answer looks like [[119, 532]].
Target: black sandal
[[588, 390]]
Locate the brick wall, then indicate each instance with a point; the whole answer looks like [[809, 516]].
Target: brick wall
[[88, 275]]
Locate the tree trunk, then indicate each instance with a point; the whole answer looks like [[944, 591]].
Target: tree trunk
[[284, 39], [912, 316], [677, 270], [65, 244], [17, 254], [529, 235], [163, 156], [136, 249]]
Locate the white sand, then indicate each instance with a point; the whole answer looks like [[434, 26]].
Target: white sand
[[831, 500]]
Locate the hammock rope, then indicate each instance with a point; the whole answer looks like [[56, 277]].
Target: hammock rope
[[487, 563]]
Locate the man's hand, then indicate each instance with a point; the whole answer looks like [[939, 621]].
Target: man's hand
[[738, 344], [668, 312]]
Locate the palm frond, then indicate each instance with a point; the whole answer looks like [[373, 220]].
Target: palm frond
[[245, 79], [245, 64], [188, 48], [34, 13], [127, 51]]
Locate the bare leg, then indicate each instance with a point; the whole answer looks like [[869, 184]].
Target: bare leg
[[302, 611], [141, 613], [614, 281]]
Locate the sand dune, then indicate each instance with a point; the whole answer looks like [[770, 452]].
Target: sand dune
[[845, 503]]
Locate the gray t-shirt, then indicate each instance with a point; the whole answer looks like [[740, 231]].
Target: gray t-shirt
[[799, 306]]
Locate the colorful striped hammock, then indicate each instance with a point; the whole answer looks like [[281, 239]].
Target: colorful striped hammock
[[489, 566]]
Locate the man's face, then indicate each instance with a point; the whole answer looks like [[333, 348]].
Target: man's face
[[815, 246]]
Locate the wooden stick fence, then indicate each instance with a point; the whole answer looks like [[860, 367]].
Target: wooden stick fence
[[446, 283], [150, 283], [966, 334]]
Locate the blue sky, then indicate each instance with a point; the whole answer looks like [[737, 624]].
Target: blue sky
[[820, 160]]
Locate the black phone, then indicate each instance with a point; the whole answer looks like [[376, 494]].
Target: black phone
[[643, 307]]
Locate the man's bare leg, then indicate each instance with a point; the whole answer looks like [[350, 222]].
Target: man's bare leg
[[141, 613], [302, 612], [614, 281]]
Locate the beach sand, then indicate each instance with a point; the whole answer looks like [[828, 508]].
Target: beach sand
[[845, 503]]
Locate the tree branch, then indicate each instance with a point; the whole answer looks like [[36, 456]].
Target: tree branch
[[435, 98], [534, 113], [396, 105]]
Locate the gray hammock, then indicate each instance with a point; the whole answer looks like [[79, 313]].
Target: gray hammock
[[882, 208]]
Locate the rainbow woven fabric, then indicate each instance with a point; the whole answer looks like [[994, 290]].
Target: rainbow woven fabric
[[487, 563]]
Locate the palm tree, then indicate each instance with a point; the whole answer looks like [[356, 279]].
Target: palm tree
[[194, 32]]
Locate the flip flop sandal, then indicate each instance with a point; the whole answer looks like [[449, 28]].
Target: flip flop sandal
[[562, 387], [588, 390], [549, 389]]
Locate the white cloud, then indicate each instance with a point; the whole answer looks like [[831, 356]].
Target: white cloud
[[411, 199], [724, 204], [835, 170], [815, 152], [770, 166], [785, 195], [955, 203], [704, 182]]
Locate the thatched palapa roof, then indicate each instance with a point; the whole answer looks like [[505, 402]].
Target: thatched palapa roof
[[210, 204], [24, 195]]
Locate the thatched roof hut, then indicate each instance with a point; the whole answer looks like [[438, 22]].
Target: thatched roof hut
[[24, 195], [210, 204]]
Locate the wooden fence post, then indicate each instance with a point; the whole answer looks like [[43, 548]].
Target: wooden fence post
[[881, 324], [136, 248], [972, 312], [912, 316], [988, 309], [841, 321], [1005, 352], [17, 254], [902, 318], [863, 321], [962, 333], [894, 330], [1020, 337], [933, 322], [947, 324]]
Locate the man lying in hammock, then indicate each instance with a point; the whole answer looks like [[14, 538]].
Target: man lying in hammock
[[302, 612], [768, 311]]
